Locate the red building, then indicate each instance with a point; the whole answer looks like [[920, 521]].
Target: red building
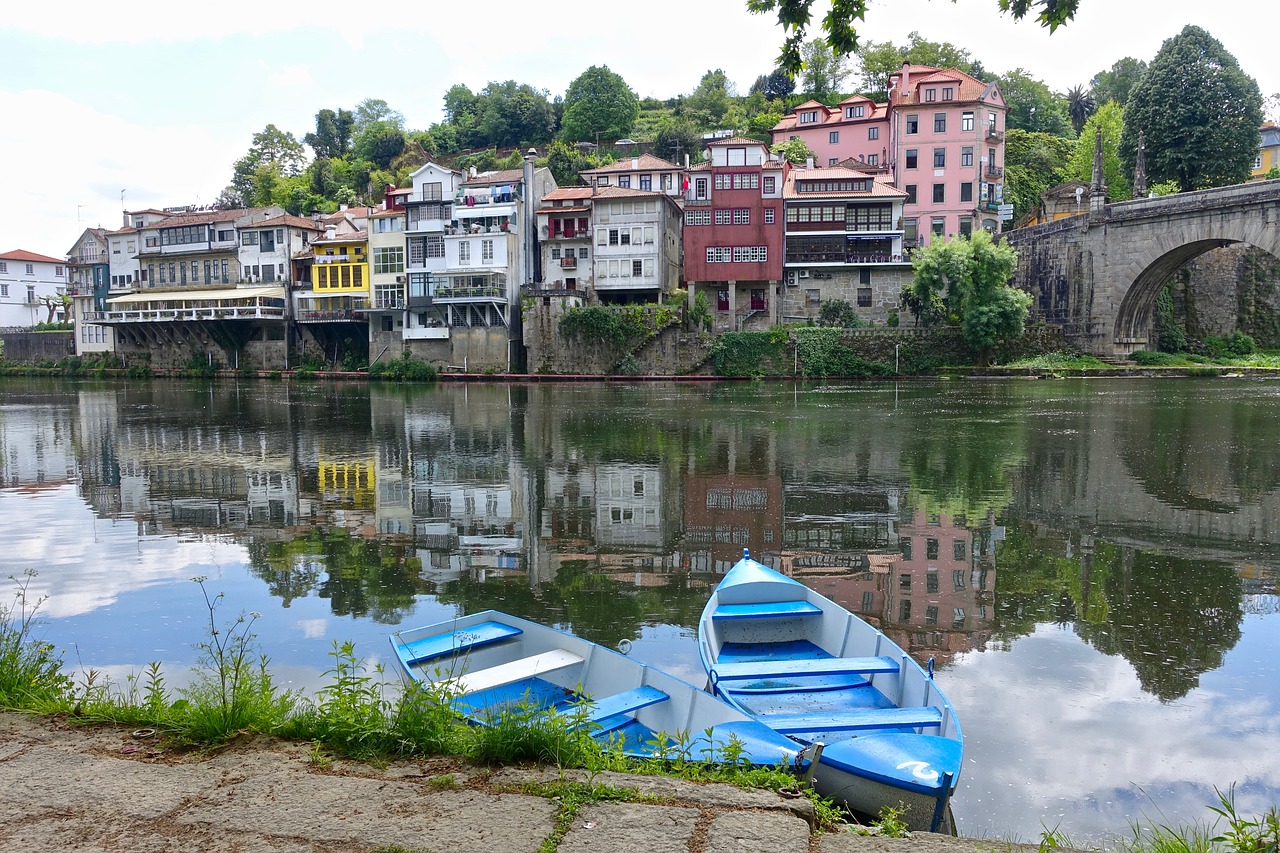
[[733, 232]]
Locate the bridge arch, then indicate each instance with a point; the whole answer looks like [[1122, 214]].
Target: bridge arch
[[1136, 314]]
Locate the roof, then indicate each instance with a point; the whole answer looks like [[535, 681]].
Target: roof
[[501, 176], [147, 210], [567, 194], [350, 237], [643, 163], [129, 229], [24, 255], [287, 219], [880, 186], [735, 140], [878, 112], [394, 211], [358, 212], [205, 217], [581, 209], [402, 191], [969, 88], [627, 192]]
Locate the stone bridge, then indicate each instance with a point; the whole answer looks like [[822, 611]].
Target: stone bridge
[[1098, 274]]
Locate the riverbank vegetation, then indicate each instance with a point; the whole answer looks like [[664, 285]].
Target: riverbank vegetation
[[357, 713]]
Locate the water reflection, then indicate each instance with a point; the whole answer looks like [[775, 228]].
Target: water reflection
[[1133, 527]]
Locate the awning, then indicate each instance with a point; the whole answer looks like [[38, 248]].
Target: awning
[[198, 295]]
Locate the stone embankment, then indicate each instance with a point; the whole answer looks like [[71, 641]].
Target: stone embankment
[[101, 788]]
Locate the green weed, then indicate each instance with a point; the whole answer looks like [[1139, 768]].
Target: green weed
[[30, 670]]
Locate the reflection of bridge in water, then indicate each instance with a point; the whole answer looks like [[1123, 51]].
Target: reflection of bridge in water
[[1098, 274]]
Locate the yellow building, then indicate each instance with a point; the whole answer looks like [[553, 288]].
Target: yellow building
[[1268, 151], [339, 277]]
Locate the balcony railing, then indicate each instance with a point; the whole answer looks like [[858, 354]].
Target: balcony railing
[[567, 234], [994, 172], [690, 201], [993, 134], [330, 316], [487, 292], [154, 315], [842, 258], [568, 263]]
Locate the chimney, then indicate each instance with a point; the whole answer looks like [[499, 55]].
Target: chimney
[[635, 162], [330, 231], [342, 208], [905, 91], [808, 162]]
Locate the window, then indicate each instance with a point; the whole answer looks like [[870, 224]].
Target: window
[[435, 245], [582, 251], [833, 137], [464, 252], [697, 217], [966, 121], [719, 255], [486, 250], [741, 216], [864, 276], [624, 181], [646, 182], [931, 94], [555, 254], [938, 226], [637, 268], [912, 158], [958, 549], [873, 133], [868, 601], [966, 155], [249, 238], [939, 193], [966, 227], [910, 233], [913, 124], [854, 112], [831, 161], [939, 158], [602, 181], [808, 116], [624, 237], [966, 191], [948, 93], [768, 216], [904, 582], [864, 297], [813, 298], [57, 271], [911, 193], [722, 217], [939, 122], [613, 236], [750, 254], [226, 236], [388, 259], [700, 188], [1257, 162], [769, 185], [31, 269], [931, 549]]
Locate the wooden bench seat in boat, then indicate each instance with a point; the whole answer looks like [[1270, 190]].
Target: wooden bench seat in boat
[[619, 705], [844, 721], [802, 666], [452, 642], [765, 610], [505, 673]]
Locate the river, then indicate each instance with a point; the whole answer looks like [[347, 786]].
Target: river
[[1092, 564]]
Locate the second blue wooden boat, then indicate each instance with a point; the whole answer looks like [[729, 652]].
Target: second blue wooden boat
[[813, 671]]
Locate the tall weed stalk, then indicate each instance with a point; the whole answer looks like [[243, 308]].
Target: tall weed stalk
[[30, 669]]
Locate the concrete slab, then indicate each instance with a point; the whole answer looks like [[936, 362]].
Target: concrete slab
[[93, 835], [757, 832], [631, 828]]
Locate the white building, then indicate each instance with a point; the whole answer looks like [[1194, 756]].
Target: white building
[[32, 287], [428, 211]]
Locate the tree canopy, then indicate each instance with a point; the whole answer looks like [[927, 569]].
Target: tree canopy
[[1114, 84], [840, 25], [1199, 111], [824, 70], [878, 60], [1079, 167], [598, 104], [1033, 105], [1033, 163], [710, 100]]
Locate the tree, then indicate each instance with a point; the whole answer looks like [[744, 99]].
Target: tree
[[824, 70], [1033, 162], [793, 149], [598, 103], [374, 110], [1200, 114], [677, 139], [510, 114], [1115, 83], [278, 151], [332, 137], [380, 143], [839, 25], [1033, 105], [1080, 105], [776, 84], [710, 100], [970, 277], [878, 60], [1110, 120]]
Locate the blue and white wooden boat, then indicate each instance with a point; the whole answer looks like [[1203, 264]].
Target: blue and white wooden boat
[[490, 662], [813, 671]]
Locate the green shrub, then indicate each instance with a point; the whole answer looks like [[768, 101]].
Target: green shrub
[[751, 354], [838, 312], [602, 324], [822, 352], [405, 368], [1236, 345], [1147, 358]]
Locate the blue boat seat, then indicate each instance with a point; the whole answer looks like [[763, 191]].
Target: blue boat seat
[[765, 610], [612, 712], [452, 642], [845, 721], [805, 666]]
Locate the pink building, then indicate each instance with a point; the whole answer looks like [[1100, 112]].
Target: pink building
[[941, 136], [733, 244]]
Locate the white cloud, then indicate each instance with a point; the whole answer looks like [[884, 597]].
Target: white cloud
[[67, 158], [292, 77]]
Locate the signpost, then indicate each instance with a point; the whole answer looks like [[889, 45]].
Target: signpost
[[1006, 212]]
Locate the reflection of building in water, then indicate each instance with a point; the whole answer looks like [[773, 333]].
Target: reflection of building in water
[[37, 446], [724, 513], [939, 592], [629, 507], [825, 518]]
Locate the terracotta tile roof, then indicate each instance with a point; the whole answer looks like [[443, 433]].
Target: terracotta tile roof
[[147, 210], [350, 237], [735, 140], [24, 255], [287, 219], [878, 112], [126, 230], [550, 210], [644, 163], [567, 194], [968, 88], [360, 212], [626, 192], [207, 217], [402, 191], [812, 104], [502, 176], [383, 214], [880, 186]]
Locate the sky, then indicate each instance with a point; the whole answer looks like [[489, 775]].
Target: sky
[[103, 110]]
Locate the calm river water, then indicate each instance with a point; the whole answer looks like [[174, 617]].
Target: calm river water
[[1092, 565]]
